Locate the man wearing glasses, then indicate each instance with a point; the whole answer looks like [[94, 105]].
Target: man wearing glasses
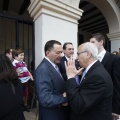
[[92, 100]]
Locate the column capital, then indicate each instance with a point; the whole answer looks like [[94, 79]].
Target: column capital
[[114, 36], [54, 8]]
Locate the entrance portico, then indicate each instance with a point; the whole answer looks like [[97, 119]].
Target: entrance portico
[[53, 19], [58, 19]]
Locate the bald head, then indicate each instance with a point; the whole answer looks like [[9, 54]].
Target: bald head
[[87, 53], [89, 47]]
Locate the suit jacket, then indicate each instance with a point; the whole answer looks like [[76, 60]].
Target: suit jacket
[[111, 63], [92, 100], [49, 87], [61, 66]]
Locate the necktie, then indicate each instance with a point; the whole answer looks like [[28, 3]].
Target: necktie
[[57, 69], [83, 75], [77, 79]]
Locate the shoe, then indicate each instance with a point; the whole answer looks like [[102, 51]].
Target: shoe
[[26, 108]]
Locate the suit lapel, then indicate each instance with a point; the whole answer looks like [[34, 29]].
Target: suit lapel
[[53, 70], [90, 70], [65, 58]]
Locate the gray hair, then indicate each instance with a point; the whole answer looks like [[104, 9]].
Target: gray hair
[[88, 46]]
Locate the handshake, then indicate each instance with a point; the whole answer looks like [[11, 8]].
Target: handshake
[[65, 95]]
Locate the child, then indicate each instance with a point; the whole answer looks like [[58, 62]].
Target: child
[[18, 63]]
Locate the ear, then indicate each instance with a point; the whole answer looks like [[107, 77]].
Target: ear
[[14, 56], [64, 51], [89, 54], [47, 53], [101, 42]]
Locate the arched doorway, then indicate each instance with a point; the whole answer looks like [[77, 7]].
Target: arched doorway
[[99, 16]]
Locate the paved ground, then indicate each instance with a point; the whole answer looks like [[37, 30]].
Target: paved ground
[[32, 115]]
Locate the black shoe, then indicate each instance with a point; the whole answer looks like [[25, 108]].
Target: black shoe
[[26, 108]]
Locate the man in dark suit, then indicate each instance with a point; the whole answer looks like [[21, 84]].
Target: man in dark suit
[[92, 100], [68, 51], [111, 63], [50, 86]]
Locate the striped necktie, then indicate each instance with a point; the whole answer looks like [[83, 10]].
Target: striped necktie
[[57, 69]]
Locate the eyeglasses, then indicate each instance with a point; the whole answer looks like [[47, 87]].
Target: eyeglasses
[[70, 48], [78, 53]]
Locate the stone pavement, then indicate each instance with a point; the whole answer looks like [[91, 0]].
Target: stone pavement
[[32, 115]]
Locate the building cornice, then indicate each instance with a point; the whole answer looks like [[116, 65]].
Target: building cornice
[[114, 36], [54, 8]]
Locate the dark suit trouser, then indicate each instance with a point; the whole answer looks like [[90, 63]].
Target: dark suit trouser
[[58, 113]]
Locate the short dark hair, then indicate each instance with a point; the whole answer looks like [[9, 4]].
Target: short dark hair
[[49, 45], [16, 52], [7, 51], [65, 44], [7, 71], [99, 37]]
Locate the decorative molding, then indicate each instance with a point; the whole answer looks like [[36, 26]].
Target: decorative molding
[[114, 36], [31, 1], [56, 9]]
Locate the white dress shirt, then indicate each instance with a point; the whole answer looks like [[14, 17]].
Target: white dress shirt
[[101, 55]]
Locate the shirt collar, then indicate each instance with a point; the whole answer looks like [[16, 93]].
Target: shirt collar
[[88, 67], [18, 61], [53, 64], [101, 55], [67, 58]]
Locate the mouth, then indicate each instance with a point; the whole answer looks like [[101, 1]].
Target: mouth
[[58, 59]]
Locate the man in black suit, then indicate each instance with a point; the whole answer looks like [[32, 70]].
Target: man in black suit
[[111, 63], [68, 51], [92, 100], [50, 86]]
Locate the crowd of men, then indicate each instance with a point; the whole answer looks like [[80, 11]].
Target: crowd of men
[[85, 88]]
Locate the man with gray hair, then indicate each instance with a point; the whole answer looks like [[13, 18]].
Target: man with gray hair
[[92, 100]]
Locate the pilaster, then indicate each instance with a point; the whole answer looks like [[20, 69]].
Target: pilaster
[[53, 20], [115, 41], [55, 8]]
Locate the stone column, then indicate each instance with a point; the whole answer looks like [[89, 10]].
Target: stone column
[[115, 41], [54, 20]]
